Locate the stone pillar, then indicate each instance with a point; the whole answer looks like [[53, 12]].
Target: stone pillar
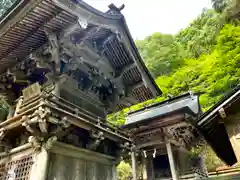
[[149, 166], [134, 166], [171, 161], [40, 166]]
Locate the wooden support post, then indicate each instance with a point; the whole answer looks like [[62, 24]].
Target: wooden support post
[[114, 173], [39, 169], [144, 168], [171, 161], [149, 166], [134, 169], [203, 165]]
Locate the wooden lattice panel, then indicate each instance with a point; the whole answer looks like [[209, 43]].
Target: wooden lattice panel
[[17, 170]]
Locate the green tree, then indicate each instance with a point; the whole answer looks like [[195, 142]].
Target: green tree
[[212, 74], [232, 11], [124, 171], [220, 5], [200, 36], [161, 53]]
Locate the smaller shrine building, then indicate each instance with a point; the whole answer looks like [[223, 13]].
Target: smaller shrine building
[[164, 133]]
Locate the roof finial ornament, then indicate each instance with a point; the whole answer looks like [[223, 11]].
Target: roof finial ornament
[[114, 9], [83, 23]]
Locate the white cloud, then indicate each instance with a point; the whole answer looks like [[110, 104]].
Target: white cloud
[[147, 17]]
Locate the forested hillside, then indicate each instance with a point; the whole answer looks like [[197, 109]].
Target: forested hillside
[[211, 68]]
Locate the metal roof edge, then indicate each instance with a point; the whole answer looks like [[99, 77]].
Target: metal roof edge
[[171, 100], [214, 109], [178, 111]]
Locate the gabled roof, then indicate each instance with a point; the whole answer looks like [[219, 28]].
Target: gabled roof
[[22, 32], [213, 129], [186, 103], [208, 124]]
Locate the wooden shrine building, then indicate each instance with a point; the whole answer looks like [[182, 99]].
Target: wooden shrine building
[[64, 66], [224, 117], [163, 134]]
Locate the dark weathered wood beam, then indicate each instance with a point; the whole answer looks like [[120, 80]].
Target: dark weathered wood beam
[[91, 15]]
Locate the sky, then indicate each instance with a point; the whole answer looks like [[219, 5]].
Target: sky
[[146, 17]]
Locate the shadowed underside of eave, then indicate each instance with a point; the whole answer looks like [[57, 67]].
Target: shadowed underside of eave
[[211, 125]]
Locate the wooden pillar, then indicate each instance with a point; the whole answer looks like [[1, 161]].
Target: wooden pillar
[[39, 168], [114, 172], [150, 172], [171, 161], [144, 168], [203, 165], [134, 166]]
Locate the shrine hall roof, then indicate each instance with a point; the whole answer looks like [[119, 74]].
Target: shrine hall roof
[[211, 125], [187, 103], [22, 31]]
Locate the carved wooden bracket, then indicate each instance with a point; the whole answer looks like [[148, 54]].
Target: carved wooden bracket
[[29, 124], [35, 141], [64, 123], [54, 50], [42, 114], [125, 148], [98, 137], [49, 143]]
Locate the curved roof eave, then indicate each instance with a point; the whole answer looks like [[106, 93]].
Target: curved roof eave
[[114, 22]]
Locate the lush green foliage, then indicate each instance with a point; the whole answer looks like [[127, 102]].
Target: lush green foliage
[[200, 36], [220, 5], [212, 74], [161, 53], [124, 171], [211, 160], [229, 8]]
